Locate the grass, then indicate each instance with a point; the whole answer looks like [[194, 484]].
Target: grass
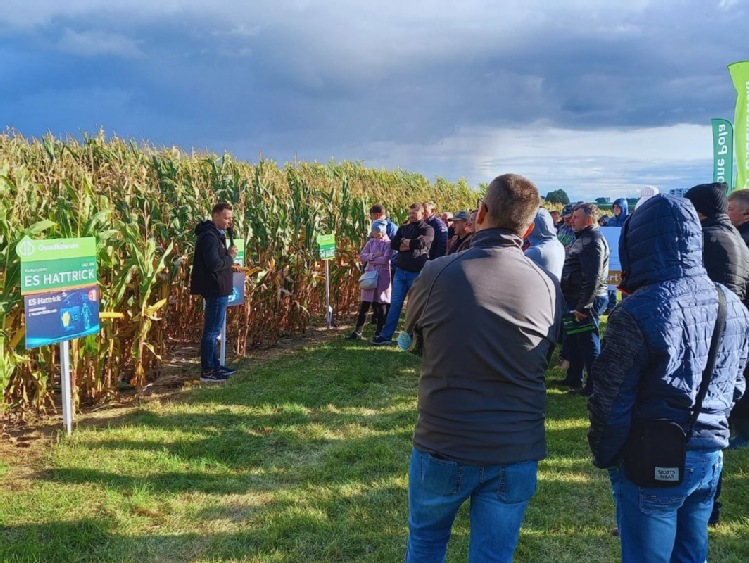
[[303, 458]]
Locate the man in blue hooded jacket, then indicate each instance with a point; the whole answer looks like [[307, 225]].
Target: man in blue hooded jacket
[[620, 209], [650, 367]]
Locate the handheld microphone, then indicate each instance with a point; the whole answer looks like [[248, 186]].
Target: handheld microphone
[[230, 232]]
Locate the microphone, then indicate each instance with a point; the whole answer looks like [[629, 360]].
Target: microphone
[[230, 232]]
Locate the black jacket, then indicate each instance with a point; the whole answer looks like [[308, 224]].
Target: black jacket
[[724, 254], [421, 236], [585, 274], [211, 265]]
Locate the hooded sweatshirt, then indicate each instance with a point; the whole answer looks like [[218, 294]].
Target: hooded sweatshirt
[[545, 249], [615, 221]]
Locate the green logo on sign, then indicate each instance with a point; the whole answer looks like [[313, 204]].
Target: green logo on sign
[[327, 246]]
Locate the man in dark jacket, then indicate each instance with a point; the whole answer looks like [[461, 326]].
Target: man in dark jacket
[[439, 243], [654, 353], [412, 241], [212, 278], [480, 429], [585, 278], [725, 255], [738, 212]]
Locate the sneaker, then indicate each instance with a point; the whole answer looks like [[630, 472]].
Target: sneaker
[[355, 336], [225, 370], [213, 377], [380, 341]]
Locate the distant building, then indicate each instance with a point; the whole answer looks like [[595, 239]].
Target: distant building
[[678, 191]]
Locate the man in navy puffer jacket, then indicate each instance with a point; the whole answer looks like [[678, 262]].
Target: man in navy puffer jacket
[[651, 364]]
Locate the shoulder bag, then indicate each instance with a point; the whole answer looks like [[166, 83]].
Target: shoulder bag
[[656, 449]]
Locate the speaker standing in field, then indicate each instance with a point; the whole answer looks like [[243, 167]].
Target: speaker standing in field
[[480, 431], [212, 278]]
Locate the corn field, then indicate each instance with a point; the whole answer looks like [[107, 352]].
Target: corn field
[[142, 204]]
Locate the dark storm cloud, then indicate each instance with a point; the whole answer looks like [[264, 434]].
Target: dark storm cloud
[[415, 85]]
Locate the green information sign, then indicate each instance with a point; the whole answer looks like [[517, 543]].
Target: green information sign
[[60, 289], [327, 246], [54, 264], [239, 259], [237, 278]]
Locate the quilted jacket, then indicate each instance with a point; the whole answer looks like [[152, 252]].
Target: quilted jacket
[[657, 340]]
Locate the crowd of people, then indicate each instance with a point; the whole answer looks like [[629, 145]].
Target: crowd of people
[[491, 292]]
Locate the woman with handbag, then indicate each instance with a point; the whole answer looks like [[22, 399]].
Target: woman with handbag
[[375, 282]]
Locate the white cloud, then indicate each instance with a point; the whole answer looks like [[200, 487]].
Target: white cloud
[[92, 43]]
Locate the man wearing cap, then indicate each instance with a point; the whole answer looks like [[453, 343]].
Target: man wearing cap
[[565, 232], [462, 235], [480, 430]]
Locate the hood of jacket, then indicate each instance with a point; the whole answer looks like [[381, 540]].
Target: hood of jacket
[[662, 241], [622, 202], [543, 228], [206, 227]]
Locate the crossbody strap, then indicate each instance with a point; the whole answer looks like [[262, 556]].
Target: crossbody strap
[[707, 375]]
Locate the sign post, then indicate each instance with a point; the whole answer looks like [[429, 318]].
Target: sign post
[[327, 253], [237, 294], [60, 291]]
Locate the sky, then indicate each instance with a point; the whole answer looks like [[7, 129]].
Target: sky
[[596, 98]]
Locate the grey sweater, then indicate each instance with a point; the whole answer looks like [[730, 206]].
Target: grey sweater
[[489, 318]]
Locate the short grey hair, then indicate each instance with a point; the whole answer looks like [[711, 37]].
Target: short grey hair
[[590, 209]]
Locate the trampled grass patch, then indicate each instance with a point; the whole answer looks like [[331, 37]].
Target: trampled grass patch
[[302, 458]]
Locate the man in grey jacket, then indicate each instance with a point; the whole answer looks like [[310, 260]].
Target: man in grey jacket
[[480, 431]]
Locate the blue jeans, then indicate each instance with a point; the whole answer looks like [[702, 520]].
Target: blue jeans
[[583, 348], [402, 282], [438, 487], [215, 315], [668, 525]]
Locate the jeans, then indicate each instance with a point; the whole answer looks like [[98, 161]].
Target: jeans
[[583, 348], [402, 282], [438, 487], [668, 525], [215, 315]]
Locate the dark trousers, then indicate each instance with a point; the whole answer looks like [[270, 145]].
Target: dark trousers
[[378, 313], [583, 348]]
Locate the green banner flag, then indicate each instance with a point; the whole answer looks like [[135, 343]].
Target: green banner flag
[[723, 152], [740, 77]]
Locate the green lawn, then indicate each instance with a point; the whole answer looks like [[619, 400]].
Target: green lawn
[[301, 458]]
